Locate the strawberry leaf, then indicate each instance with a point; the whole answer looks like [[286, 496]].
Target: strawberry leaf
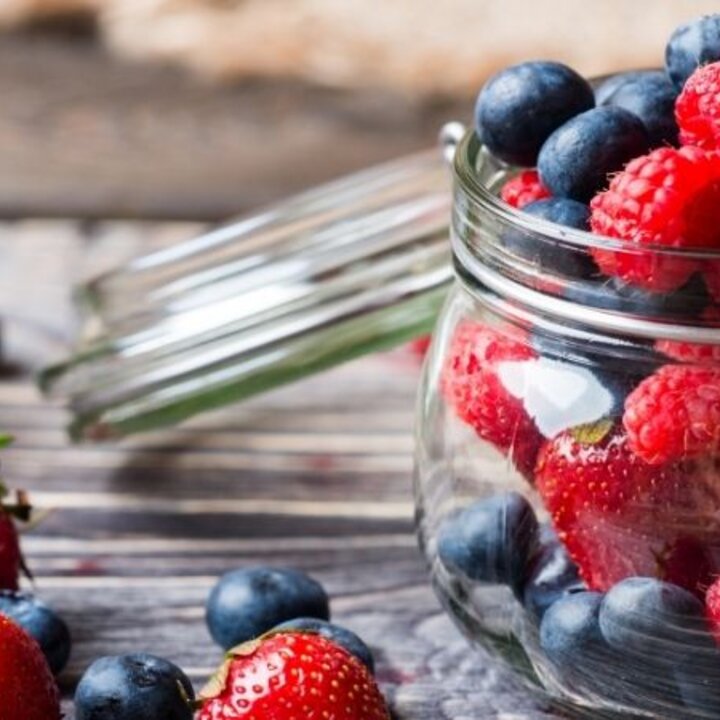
[[592, 433]]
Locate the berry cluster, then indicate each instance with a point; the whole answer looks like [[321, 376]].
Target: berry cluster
[[624, 586], [284, 657]]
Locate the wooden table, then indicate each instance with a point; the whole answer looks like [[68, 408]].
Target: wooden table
[[315, 476]]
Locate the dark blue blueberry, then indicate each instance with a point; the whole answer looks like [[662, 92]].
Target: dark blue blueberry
[[651, 96], [604, 89], [247, 603], [339, 635], [133, 687], [652, 620], [491, 540], [38, 620], [693, 44], [578, 157], [519, 108], [572, 638], [566, 261], [570, 632], [553, 575], [689, 301]]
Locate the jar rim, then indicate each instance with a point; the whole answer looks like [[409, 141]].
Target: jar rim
[[470, 151]]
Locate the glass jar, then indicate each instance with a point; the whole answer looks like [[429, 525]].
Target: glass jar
[[568, 510]]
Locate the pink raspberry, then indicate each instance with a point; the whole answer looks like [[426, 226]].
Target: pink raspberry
[[670, 199], [675, 414], [524, 189], [472, 387], [697, 108]]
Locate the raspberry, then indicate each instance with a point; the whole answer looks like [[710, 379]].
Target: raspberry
[[674, 414], [694, 353], [471, 386], [712, 608], [697, 109], [668, 198], [524, 189]]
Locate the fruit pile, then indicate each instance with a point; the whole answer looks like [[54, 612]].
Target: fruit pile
[[283, 659], [623, 454]]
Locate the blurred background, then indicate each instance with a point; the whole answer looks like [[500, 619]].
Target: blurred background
[[127, 123]]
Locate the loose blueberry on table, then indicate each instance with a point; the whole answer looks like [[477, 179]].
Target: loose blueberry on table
[[40, 622], [247, 603], [618, 598]]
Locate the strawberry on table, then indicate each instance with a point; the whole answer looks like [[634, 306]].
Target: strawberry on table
[[292, 675], [11, 560], [27, 687], [472, 387]]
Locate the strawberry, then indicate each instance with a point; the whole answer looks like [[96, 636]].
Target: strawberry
[[620, 516], [27, 687], [11, 559], [292, 675]]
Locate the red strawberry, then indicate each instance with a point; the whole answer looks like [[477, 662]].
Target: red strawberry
[[11, 560], [472, 387], [675, 414], [292, 675], [620, 516], [27, 687]]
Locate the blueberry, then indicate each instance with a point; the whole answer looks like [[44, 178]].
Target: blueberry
[[133, 687], [572, 638], [547, 253], [519, 107], [578, 157], [693, 44], [491, 540], [649, 619], [570, 632], [339, 635], [247, 603], [39, 621], [651, 96], [612, 82], [553, 575]]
